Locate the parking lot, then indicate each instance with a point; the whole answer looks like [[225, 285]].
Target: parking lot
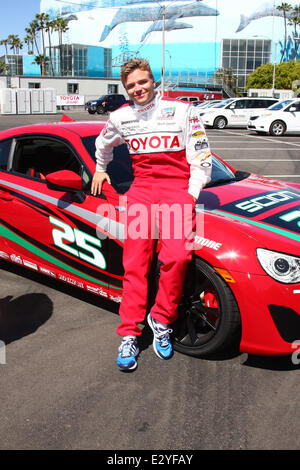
[[61, 389]]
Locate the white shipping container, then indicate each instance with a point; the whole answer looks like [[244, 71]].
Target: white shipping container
[[49, 100], [37, 101], [8, 102], [23, 101]]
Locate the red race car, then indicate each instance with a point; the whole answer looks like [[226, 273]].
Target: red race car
[[243, 284]]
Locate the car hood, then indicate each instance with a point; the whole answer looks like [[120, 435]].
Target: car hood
[[262, 208]]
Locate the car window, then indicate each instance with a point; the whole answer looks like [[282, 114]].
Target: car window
[[37, 156], [5, 146], [280, 105], [119, 169], [222, 104], [294, 105]]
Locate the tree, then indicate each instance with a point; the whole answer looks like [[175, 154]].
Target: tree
[[295, 22], [285, 74], [4, 42], [3, 67], [49, 28], [284, 7], [41, 60], [61, 26]]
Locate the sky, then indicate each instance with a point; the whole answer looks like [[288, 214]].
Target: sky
[[15, 17]]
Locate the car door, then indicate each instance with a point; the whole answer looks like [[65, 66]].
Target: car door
[[236, 113], [292, 117], [54, 230]]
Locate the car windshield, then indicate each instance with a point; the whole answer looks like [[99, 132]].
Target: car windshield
[[280, 105], [223, 103], [121, 173]]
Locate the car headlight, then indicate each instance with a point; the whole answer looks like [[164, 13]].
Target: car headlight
[[281, 267]]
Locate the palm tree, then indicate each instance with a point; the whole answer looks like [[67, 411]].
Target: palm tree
[[295, 21], [29, 41], [41, 60], [284, 7], [49, 28], [4, 42], [61, 26], [33, 31], [3, 67]]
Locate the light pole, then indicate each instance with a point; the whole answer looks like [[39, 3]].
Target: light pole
[[274, 71]]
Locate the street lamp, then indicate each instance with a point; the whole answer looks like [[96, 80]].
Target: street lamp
[[274, 71]]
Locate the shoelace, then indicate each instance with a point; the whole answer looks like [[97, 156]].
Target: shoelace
[[127, 348], [162, 334]]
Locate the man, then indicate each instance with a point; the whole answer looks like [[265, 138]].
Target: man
[[171, 162]]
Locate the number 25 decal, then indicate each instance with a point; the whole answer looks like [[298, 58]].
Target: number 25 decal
[[82, 240]]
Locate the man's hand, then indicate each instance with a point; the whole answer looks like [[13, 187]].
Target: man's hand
[[98, 179]]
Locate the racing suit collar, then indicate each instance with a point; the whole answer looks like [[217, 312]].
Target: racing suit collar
[[141, 110]]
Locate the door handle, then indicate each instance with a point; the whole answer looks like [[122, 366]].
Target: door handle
[[6, 196]]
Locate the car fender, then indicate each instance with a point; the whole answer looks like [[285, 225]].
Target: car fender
[[224, 243]]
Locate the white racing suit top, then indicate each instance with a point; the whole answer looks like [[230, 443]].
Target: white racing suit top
[[165, 138]]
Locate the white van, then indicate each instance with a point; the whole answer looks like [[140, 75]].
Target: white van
[[283, 117], [234, 112]]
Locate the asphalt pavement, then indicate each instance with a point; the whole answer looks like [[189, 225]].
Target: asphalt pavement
[[60, 388]]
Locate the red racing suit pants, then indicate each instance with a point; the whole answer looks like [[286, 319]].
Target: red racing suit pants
[[157, 209]]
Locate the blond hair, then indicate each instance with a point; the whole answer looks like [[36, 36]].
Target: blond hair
[[132, 65]]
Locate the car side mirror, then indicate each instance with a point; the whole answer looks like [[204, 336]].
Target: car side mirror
[[292, 109], [63, 180]]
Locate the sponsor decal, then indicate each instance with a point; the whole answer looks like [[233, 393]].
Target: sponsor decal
[[167, 113], [263, 202], [116, 299], [198, 134], [154, 142], [48, 272], [4, 255], [207, 242], [146, 108], [70, 280], [129, 122], [30, 265], [200, 145], [96, 290], [194, 120], [288, 219], [16, 259]]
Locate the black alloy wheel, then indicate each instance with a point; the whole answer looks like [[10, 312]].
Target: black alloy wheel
[[209, 319]]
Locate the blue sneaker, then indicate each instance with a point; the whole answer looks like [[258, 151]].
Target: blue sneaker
[[161, 343], [128, 350]]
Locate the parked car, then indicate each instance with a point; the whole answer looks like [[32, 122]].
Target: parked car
[[278, 119], [190, 99], [105, 103], [243, 283], [234, 112], [207, 104]]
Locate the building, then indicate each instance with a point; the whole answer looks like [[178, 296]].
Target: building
[[243, 56], [78, 60]]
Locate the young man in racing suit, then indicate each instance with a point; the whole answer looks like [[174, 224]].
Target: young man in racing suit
[[171, 163]]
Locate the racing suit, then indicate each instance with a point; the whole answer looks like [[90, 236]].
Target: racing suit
[[171, 163]]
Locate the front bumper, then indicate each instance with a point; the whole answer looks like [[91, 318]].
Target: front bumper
[[270, 314], [253, 126]]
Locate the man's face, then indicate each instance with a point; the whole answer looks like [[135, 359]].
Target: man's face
[[140, 86]]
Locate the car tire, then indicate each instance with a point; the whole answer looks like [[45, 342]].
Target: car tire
[[277, 128], [100, 110], [90, 111], [209, 320], [220, 122]]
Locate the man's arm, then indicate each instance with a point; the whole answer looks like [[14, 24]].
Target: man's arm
[[198, 152]]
